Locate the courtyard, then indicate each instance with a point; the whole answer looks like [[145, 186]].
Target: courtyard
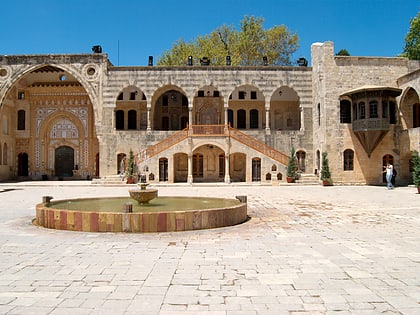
[[305, 250]]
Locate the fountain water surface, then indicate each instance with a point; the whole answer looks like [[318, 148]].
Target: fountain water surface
[[150, 213]]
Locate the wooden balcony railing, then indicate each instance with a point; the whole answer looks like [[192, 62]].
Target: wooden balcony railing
[[370, 124]]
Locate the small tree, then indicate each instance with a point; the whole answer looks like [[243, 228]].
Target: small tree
[[343, 52], [325, 169], [131, 167], [291, 171], [415, 159], [412, 40]]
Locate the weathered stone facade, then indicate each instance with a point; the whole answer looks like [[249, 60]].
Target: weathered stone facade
[[78, 116]]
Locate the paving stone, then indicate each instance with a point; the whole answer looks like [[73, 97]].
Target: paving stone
[[305, 250]]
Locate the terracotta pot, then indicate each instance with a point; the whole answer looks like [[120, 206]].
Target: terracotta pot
[[290, 179], [326, 183], [130, 180]]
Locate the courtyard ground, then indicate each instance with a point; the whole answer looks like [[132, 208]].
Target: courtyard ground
[[305, 250]]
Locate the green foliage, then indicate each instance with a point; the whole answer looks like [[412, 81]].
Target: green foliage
[[412, 40], [131, 166], [246, 47], [291, 170], [325, 169], [415, 159], [343, 52]]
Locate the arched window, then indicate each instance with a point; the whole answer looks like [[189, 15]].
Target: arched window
[[241, 121], [21, 119], [119, 119], [132, 119], [345, 112], [362, 110], [5, 153], [373, 109], [319, 114], [253, 119], [348, 160]]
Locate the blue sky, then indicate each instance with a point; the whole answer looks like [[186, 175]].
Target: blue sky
[[131, 30]]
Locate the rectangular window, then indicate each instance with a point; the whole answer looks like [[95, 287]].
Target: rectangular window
[[216, 94], [21, 119], [133, 96], [253, 95], [241, 95], [200, 93], [21, 95]]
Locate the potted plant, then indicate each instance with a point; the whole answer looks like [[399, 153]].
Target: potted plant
[[415, 160], [325, 171], [291, 171], [130, 171]]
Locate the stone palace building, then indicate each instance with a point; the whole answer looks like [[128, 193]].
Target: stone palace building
[[78, 116]]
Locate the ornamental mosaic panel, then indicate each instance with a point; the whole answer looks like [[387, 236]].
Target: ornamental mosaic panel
[[64, 128]]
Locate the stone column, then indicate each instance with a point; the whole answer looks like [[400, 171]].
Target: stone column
[[227, 171], [267, 116], [302, 119], [190, 117], [148, 107], [267, 120], [190, 177], [227, 161]]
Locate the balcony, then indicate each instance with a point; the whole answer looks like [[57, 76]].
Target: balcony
[[371, 124]]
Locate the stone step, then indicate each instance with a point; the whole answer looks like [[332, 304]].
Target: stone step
[[109, 180], [308, 179]]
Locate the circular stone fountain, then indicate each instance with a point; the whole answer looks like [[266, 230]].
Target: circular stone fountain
[[157, 214], [143, 195]]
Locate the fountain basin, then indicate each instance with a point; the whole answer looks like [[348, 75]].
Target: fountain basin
[[70, 215]]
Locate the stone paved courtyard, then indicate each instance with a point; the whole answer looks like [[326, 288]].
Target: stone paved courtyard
[[305, 250]]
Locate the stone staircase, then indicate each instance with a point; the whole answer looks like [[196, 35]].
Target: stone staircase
[[308, 179], [109, 180]]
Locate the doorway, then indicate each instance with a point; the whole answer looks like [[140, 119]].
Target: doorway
[[64, 161]]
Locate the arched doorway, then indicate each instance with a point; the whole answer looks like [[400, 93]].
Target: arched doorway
[[180, 167], [301, 155], [387, 158], [23, 164], [121, 163], [238, 167], [64, 161], [256, 169], [198, 167]]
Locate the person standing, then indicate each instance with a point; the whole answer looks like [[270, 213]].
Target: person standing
[[389, 171]]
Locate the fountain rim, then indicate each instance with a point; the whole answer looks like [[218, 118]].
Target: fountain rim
[[49, 205], [139, 222]]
